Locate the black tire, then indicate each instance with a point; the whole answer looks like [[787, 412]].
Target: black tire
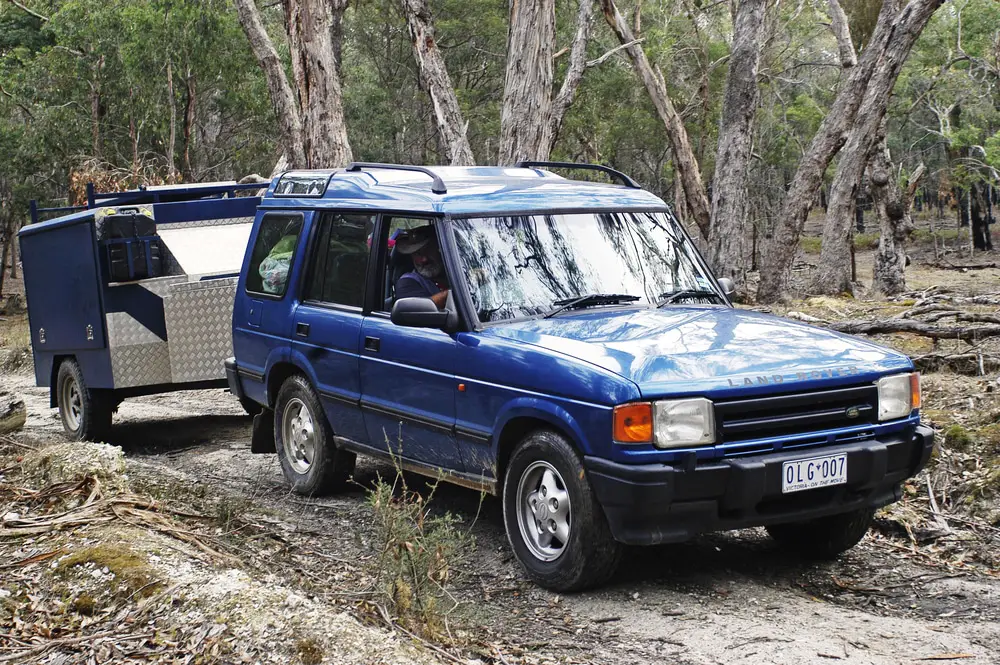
[[85, 412], [251, 407], [590, 555], [825, 537], [326, 468]]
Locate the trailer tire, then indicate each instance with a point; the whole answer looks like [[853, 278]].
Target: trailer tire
[[84, 411], [310, 460]]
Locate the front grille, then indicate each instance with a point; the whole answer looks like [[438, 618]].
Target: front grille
[[798, 413]]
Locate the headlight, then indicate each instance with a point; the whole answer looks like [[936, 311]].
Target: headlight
[[683, 422], [898, 395]]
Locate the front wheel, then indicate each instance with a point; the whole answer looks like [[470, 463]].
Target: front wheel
[[824, 537], [310, 460], [85, 412], [554, 523]]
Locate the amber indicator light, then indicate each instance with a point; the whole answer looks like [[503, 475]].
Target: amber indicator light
[[634, 423]]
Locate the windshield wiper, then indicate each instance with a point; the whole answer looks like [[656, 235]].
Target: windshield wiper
[[588, 300], [673, 296]]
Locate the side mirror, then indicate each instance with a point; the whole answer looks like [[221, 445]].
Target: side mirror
[[727, 286], [419, 313]]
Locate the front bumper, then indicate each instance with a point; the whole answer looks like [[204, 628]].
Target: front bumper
[[651, 504]]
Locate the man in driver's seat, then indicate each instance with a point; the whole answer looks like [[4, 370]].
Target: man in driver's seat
[[427, 279]]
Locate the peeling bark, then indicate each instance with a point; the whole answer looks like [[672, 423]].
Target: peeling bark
[[685, 162], [892, 209], [728, 256], [309, 24], [527, 94], [574, 74], [891, 29], [834, 274], [435, 80], [286, 111], [842, 31]]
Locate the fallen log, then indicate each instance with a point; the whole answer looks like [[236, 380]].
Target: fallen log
[[885, 326], [972, 364], [12, 413]]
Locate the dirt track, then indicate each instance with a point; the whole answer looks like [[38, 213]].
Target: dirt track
[[730, 598]]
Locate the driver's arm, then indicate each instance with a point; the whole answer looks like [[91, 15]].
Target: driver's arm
[[440, 298]]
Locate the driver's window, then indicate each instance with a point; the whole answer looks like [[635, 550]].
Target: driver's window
[[414, 267]]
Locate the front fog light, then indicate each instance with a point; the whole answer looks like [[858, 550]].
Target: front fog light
[[895, 396], [684, 422]]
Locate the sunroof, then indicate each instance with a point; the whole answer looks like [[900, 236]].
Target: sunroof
[[302, 184]]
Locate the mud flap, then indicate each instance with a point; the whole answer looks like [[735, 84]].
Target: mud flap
[[262, 436]]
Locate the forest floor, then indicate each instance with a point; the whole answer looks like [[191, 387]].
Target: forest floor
[[176, 544]]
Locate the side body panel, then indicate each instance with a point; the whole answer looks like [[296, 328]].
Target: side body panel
[[65, 311]]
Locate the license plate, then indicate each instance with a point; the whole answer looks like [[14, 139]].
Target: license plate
[[807, 474]]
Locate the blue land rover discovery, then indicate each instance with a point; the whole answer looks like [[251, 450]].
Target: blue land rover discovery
[[563, 345]]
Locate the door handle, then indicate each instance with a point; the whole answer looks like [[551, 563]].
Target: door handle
[[372, 344], [302, 329]]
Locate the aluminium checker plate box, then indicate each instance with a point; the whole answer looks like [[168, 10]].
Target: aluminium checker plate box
[[199, 317]]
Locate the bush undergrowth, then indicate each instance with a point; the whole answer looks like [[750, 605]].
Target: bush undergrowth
[[420, 553]]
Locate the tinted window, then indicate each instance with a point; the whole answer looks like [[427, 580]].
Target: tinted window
[[274, 254], [340, 262]]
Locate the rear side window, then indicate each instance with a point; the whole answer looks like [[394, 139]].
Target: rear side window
[[274, 254], [340, 263]]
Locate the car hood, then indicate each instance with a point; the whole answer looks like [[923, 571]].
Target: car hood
[[698, 349]]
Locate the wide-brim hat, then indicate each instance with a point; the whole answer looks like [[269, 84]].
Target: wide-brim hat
[[413, 240]]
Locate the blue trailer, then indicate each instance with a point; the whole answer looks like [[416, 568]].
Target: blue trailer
[[132, 294]]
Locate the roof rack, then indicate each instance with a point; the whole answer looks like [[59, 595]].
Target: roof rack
[[625, 180], [170, 194], [437, 186]]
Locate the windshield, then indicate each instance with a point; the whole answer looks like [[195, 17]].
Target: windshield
[[520, 266]]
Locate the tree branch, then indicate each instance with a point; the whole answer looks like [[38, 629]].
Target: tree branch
[[600, 60], [842, 31], [43, 19], [577, 65]]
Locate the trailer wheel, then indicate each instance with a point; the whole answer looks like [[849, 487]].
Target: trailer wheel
[[311, 461], [85, 412], [825, 537]]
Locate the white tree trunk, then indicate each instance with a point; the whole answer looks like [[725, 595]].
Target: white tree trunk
[[527, 93], [729, 256], [286, 111], [780, 248], [310, 27], [685, 162], [834, 274], [574, 74], [435, 80]]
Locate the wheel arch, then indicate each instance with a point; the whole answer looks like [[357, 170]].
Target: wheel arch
[[520, 420]]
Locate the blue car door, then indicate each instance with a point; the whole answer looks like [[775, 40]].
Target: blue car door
[[408, 381], [328, 317], [263, 310]]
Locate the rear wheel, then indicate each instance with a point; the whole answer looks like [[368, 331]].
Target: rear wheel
[[554, 523], [310, 460], [825, 537], [85, 412]]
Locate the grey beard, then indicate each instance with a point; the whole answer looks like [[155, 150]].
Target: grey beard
[[429, 270]]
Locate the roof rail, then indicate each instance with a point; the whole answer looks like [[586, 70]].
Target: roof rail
[[437, 186], [625, 180], [170, 194]]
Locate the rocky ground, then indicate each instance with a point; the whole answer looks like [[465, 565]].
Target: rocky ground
[[176, 544]]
